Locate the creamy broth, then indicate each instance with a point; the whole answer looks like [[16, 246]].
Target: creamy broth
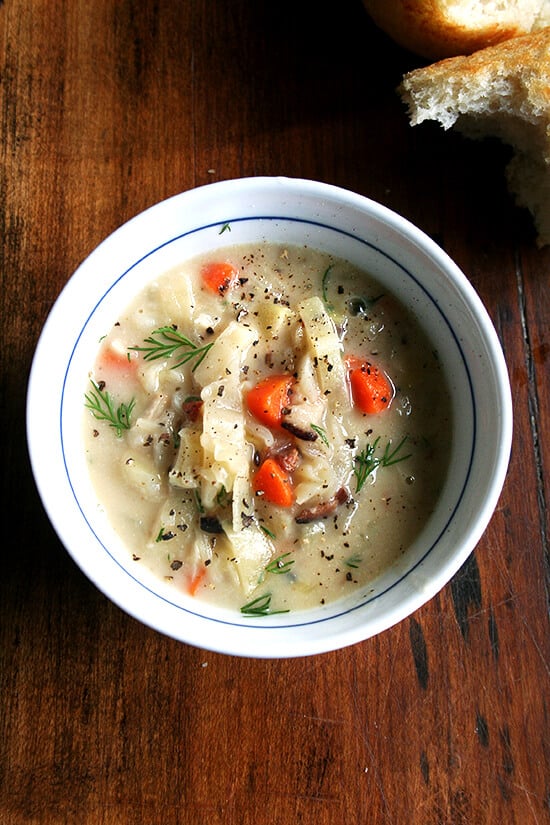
[[236, 439]]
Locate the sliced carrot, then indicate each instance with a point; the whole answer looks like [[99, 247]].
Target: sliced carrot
[[268, 399], [219, 276], [116, 358], [195, 581], [371, 388], [274, 484]]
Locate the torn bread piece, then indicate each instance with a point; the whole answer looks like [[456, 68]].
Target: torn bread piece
[[504, 92]]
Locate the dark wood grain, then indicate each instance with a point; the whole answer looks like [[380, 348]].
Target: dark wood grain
[[106, 108]]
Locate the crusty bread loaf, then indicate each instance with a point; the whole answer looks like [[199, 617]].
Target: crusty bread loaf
[[502, 91], [446, 28]]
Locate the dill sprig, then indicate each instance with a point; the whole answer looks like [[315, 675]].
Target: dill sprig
[[279, 565], [320, 432], [260, 606], [164, 535], [366, 462], [165, 341], [324, 288], [101, 405], [198, 502], [354, 561], [360, 305], [222, 496]]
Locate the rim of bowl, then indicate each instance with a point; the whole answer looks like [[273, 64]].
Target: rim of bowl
[[201, 631]]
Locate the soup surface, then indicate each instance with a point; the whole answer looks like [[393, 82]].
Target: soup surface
[[267, 428]]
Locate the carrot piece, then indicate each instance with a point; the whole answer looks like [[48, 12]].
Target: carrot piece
[[195, 581], [371, 389], [268, 399], [274, 483], [115, 358], [219, 276]]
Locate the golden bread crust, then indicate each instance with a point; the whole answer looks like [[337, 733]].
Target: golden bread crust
[[526, 57], [423, 27]]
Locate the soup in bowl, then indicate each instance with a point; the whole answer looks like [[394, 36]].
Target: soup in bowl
[[283, 417]]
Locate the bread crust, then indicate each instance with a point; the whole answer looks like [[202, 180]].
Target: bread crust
[[423, 27], [525, 58]]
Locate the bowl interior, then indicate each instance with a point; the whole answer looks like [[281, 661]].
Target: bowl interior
[[292, 212]]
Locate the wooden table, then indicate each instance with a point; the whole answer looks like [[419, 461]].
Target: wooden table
[[106, 108]]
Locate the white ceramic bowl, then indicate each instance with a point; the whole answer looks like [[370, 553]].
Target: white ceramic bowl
[[291, 211]]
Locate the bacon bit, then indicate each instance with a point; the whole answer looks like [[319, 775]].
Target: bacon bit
[[324, 509], [289, 458], [192, 409], [299, 432]]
